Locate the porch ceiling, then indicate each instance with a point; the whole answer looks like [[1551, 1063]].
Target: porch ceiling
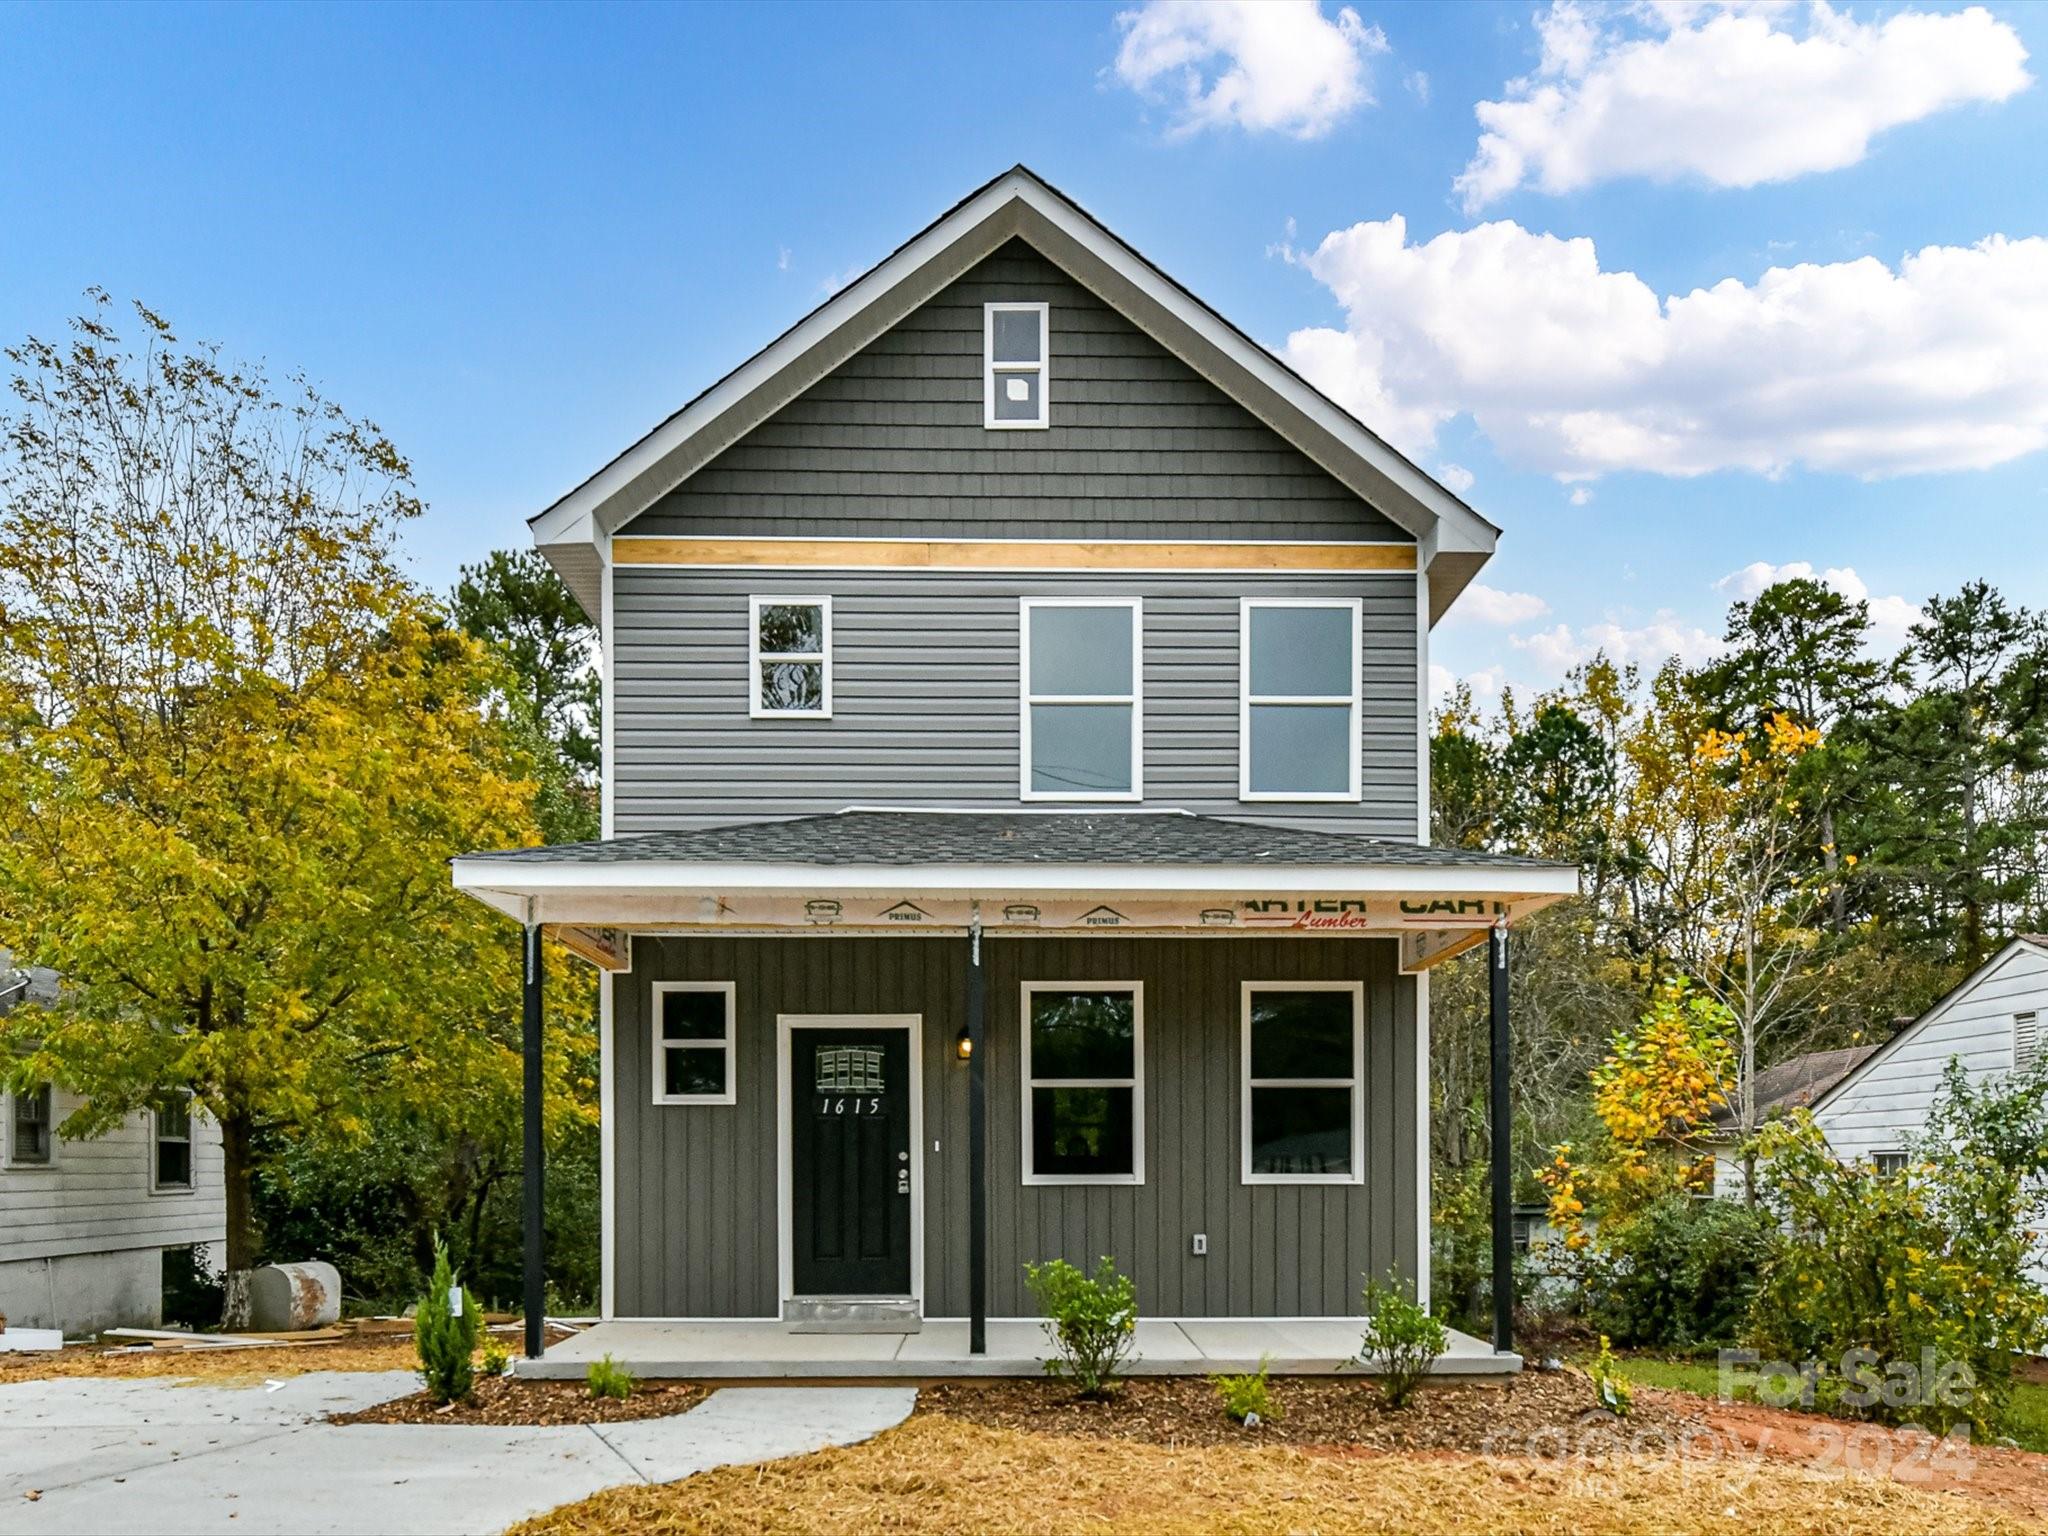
[[885, 871]]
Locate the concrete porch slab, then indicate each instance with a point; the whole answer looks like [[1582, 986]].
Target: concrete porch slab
[[742, 1350]]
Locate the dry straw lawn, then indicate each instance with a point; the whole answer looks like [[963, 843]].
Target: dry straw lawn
[[225, 1367], [939, 1475]]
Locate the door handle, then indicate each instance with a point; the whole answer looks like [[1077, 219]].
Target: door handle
[[902, 1181]]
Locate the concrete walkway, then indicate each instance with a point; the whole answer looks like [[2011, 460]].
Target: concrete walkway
[[80, 1454]]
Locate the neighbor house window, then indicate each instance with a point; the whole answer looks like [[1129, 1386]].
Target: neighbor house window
[[1083, 709], [1014, 365], [1298, 734], [1084, 1089], [29, 1124], [789, 654], [2026, 1041], [1304, 1064], [1889, 1163], [693, 1029], [172, 1130]]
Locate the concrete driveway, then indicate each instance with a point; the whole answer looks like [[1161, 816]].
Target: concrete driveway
[[147, 1456]]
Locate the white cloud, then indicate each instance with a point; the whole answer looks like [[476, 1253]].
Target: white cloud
[[1455, 477], [1416, 82], [1940, 363], [1266, 66], [1560, 648], [1890, 616], [1486, 683], [1580, 495], [782, 258], [1734, 94], [1490, 605]]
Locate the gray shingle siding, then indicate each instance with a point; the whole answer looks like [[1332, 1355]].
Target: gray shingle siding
[[892, 443], [926, 693]]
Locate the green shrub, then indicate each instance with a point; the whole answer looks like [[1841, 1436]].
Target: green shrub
[[194, 1293], [1249, 1397], [1925, 1271], [608, 1378], [1680, 1271], [445, 1332], [1092, 1321], [1402, 1341], [1613, 1389]]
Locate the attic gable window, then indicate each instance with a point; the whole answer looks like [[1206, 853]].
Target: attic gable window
[[1014, 361], [2026, 1041]]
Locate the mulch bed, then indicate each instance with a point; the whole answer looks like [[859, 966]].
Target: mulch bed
[[1539, 1413], [505, 1400]]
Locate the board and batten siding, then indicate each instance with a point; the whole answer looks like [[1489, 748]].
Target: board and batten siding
[[926, 694], [892, 442], [1887, 1105], [696, 1195], [95, 1195]]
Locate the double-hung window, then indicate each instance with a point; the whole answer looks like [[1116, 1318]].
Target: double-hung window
[[1304, 1072], [693, 1033], [172, 1134], [1014, 338], [1083, 718], [1084, 1085], [1298, 728], [789, 657], [29, 1128]]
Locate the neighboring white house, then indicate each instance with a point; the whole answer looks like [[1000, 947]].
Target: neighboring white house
[[84, 1224], [1991, 1022], [1798, 1082]]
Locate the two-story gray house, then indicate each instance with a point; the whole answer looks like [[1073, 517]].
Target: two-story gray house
[[1015, 810]]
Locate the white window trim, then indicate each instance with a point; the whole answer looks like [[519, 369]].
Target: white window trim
[[991, 369], [1135, 698], [729, 991], [1136, 1082], [755, 657], [156, 1141], [7, 1158], [1356, 1084], [1245, 699]]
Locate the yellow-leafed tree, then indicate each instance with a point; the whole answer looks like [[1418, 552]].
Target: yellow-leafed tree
[[237, 749]]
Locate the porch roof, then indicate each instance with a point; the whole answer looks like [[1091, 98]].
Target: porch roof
[[904, 870]]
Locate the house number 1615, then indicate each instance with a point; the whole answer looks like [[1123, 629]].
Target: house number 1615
[[860, 1106]]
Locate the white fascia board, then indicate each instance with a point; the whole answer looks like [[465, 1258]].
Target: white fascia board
[[514, 878]]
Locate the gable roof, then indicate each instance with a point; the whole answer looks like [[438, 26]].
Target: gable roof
[[1798, 1081], [1453, 540], [1961, 989]]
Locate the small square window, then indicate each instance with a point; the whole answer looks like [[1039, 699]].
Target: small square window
[[789, 658], [693, 1042], [1015, 341]]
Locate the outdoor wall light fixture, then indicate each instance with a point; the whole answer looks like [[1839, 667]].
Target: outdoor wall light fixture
[[963, 1044]]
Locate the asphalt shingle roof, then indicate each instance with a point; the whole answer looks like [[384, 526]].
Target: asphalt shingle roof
[[944, 837]]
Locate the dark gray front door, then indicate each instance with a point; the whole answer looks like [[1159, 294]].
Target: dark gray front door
[[850, 1153]]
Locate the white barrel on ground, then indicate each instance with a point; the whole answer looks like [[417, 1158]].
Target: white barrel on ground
[[287, 1298]]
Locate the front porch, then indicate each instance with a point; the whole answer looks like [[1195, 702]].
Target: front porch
[[745, 1349]]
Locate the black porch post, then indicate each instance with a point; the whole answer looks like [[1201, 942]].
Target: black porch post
[[977, 1148], [536, 1262], [1503, 1152]]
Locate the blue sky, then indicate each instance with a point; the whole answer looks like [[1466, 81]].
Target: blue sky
[[518, 237]]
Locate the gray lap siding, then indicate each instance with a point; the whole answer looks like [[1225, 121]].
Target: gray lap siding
[[926, 678], [696, 1196]]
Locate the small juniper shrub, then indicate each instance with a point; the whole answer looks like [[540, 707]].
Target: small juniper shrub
[[608, 1378], [445, 1332], [1249, 1399], [1614, 1390], [1402, 1341], [1092, 1321]]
